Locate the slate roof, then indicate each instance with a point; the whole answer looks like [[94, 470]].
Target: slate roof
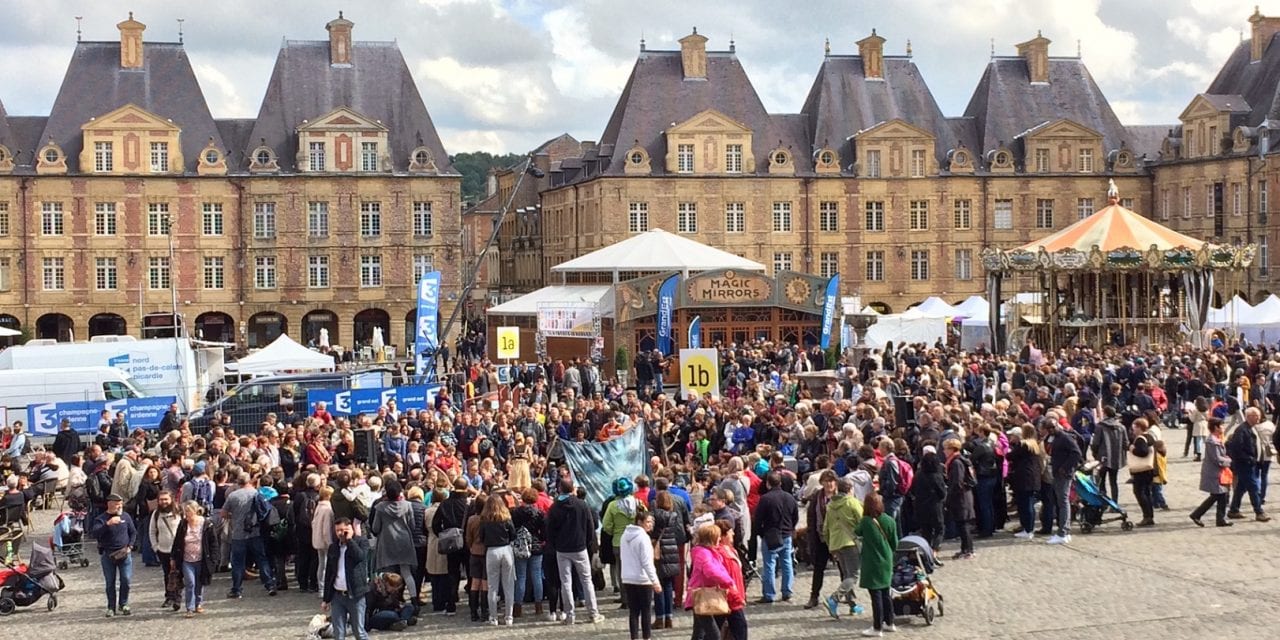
[[24, 132], [1146, 139], [1006, 103], [95, 84], [6, 138], [235, 135], [843, 102], [657, 95], [1234, 103], [378, 84], [1258, 83]]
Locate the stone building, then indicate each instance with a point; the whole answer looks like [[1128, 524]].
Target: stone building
[[129, 197]]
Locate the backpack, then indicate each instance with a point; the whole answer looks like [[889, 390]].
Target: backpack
[[278, 525], [969, 481], [93, 488], [200, 492], [906, 475], [522, 546]]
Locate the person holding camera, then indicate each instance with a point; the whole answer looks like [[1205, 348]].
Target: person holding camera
[[346, 581]]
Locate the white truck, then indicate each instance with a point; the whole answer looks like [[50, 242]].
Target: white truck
[[158, 367], [20, 388]]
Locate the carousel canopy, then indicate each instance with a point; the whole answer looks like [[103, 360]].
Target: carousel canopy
[[1114, 228]]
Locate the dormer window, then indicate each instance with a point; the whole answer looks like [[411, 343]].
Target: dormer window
[[636, 158], [315, 155], [212, 156], [103, 157], [1002, 159], [368, 156], [733, 158], [52, 155], [422, 156], [159, 157], [262, 157], [684, 158], [780, 158]]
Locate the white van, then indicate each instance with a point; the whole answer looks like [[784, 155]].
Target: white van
[[22, 387]]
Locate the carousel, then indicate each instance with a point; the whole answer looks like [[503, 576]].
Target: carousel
[[1114, 278]]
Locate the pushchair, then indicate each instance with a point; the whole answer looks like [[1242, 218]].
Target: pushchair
[[22, 585], [1092, 506], [912, 589], [67, 540]]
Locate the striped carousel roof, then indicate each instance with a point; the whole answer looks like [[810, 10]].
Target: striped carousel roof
[[1114, 227]]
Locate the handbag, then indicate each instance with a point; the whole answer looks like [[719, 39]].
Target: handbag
[[120, 554], [449, 541], [1226, 477], [1142, 464], [710, 601]]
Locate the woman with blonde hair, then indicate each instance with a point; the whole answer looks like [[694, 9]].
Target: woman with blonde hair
[[1026, 470], [322, 530], [496, 534], [707, 571], [195, 551]]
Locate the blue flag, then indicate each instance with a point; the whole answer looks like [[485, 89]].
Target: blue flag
[[595, 465], [666, 305], [426, 339], [829, 309], [695, 333]]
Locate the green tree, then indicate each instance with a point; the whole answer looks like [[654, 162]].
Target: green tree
[[474, 167]]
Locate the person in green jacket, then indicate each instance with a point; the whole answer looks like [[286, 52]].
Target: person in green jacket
[[844, 512], [879, 535], [620, 513]]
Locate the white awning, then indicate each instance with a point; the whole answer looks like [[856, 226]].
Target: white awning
[[657, 250], [527, 305], [283, 355]]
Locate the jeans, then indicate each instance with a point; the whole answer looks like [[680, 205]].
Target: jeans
[[1263, 468], [1218, 500], [983, 497], [192, 590], [382, 619], [1157, 496], [1142, 492], [1112, 477], [500, 570], [771, 557], [850, 562], [1246, 482], [1198, 443], [737, 622], [112, 573], [578, 563], [322, 563], [1048, 508], [251, 546], [528, 570], [1062, 504], [347, 612], [892, 506], [664, 601], [881, 607], [1026, 501], [639, 599], [705, 628]]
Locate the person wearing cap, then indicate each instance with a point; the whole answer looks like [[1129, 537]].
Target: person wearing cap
[[114, 530]]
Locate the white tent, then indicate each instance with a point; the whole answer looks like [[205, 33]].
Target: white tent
[[1260, 324], [283, 355], [974, 307], [936, 307], [600, 295], [1235, 312], [6, 332], [656, 250], [1269, 308], [910, 327]]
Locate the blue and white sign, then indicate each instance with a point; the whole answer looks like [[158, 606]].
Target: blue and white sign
[[356, 401], [829, 310], [145, 413], [427, 339], [666, 305]]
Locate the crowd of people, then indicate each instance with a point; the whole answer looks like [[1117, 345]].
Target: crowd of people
[[472, 497]]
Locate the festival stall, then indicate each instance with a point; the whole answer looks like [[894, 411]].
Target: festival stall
[[1257, 324], [282, 355]]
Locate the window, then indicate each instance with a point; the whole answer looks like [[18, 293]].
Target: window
[[368, 156], [1236, 201], [1264, 256], [875, 216], [370, 219], [917, 163], [873, 163], [1003, 218], [4, 274], [159, 157], [684, 158], [919, 264], [104, 218], [828, 216], [422, 219], [919, 215], [214, 274], [782, 216], [781, 262], [55, 275], [318, 272], [687, 217], [4, 219], [1262, 201], [158, 272], [1214, 142], [157, 218], [1084, 162], [1084, 208], [264, 272], [1044, 213], [211, 218], [735, 217], [422, 265], [106, 278], [1042, 160], [1186, 202], [264, 220], [318, 219], [963, 214], [733, 158], [51, 218], [828, 263], [1164, 204], [103, 157], [638, 217], [1127, 203], [964, 264], [371, 271], [316, 156], [875, 266], [1208, 201]]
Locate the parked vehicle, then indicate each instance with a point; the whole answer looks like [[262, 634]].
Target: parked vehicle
[[22, 387], [249, 402]]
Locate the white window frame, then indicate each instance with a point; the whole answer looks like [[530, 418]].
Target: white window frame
[[873, 219], [1044, 213], [370, 271], [316, 156], [1164, 203], [318, 272], [828, 215], [873, 163], [1263, 201], [370, 219], [4, 219], [638, 217], [1237, 201], [962, 214], [782, 216], [159, 273], [1186, 202], [1264, 256], [828, 263], [782, 261], [1002, 214], [684, 158], [368, 156], [875, 266], [103, 157], [159, 157], [1084, 208], [106, 276], [318, 219], [423, 223], [51, 221], [105, 222], [158, 220], [1208, 200], [264, 272], [733, 158], [918, 215], [687, 217], [1084, 160], [735, 217], [920, 264], [214, 273], [53, 272], [264, 220], [1041, 160], [917, 163], [211, 219], [423, 263], [964, 264]]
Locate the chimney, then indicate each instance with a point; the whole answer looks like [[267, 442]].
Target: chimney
[[871, 50], [1036, 52], [131, 43], [339, 40], [693, 56], [1263, 29]]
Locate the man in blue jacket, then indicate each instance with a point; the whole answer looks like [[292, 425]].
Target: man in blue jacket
[[115, 530], [346, 581]]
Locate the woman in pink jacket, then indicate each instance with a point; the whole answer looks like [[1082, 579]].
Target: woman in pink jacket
[[708, 571]]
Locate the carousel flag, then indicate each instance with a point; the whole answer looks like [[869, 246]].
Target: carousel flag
[[666, 305], [695, 333], [829, 309]]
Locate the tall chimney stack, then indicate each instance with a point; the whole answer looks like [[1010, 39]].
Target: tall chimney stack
[[693, 56], [1036, 52], [339, 40], [871, 50], [131, 43]]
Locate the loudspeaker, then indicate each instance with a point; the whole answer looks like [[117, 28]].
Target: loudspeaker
[[366, 447], [904, 412]]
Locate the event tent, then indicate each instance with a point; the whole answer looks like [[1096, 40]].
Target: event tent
[[1260, 324], [910, 327], [1235, 311], [973, 307], [283, 355], [600, 295], [6, 332], [935, 306], [656, 251]]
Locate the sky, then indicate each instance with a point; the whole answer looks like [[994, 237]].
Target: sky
[[505, 75]]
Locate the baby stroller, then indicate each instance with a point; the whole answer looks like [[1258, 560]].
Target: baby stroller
[[21, 585], [1091, 505], [67, 540], [912, 590]]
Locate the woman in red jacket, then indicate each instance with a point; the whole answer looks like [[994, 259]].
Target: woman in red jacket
[[708, 571], [737, 597]]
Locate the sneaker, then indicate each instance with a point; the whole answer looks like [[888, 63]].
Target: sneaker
[[509, 621], [833, 607], [233, 595], [856, 610], [1057, 539], [963, 555], [271, 592], [1066, 539], [561, 616], [1022, 535], [597, 619], [764, 601], [111, 613], [787, 597], [493, 622], [871, 633], [551, 616], [889, 628], [124, 610], [189, 614], [566, 621], [399, 625]]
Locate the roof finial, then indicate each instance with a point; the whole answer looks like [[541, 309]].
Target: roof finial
[[908, 47], [732, 46], [873, 31], [78, 19], [340, 14], [993, 47], [1113, 192], [180, 21], [826, 47], [642, 39], [1078, 56], [1038, 34], [130, 15], [695, 31]]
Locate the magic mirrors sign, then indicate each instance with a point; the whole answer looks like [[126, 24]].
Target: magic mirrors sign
[[729, 287]]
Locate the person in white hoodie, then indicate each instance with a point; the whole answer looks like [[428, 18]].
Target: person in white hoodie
[[639, 575]]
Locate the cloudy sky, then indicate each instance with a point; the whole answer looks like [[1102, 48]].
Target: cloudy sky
[[504, 75]]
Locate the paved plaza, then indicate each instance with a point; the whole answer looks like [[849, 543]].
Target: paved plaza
[[1170, 582]]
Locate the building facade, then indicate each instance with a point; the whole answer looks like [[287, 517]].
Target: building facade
[[127, 202]]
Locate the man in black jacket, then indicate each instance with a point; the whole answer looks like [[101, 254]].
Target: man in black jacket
[[570, 530], [67, 443], [775, 523], [452, 514], [1064, 458], [346, 582]]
